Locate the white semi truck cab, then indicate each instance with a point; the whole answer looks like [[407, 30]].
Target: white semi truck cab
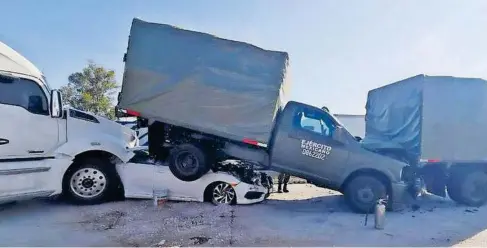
[[45, 149]]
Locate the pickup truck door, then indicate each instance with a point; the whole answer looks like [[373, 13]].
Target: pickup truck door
[[28, 135], [308, 148]]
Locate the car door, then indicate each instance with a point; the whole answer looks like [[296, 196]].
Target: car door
[[309, 148], [28, 135]]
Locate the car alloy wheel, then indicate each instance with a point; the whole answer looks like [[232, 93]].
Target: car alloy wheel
[[223, 193]]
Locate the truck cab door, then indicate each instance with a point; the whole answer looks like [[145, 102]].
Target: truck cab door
[[309, 146], [28, 135]]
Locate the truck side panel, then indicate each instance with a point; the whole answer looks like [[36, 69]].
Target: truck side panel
[[454, 119]]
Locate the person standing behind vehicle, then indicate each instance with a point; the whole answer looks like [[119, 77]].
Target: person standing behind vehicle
[[283, 180]]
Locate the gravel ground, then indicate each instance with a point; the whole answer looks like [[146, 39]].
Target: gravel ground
[[307, 216]]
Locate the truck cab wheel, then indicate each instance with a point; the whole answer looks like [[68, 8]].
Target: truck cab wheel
[[188, 162], [363, 191], [468, 187], [90, 181]]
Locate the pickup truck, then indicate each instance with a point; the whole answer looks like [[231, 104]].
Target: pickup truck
[[306, 142], [206, 100]]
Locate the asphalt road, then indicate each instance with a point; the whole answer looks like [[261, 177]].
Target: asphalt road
[[307, 216]]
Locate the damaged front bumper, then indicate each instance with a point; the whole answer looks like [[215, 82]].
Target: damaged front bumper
[[402, 193], [250, 194], [255, 186]]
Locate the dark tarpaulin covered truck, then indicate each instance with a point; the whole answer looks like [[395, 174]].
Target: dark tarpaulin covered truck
[[208, 100], [195, 81], [232, 89], [438, 124]]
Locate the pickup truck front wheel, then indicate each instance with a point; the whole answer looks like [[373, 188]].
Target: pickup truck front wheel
[[363, 191], [188, 162]]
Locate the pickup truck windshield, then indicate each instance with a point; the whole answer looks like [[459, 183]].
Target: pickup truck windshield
[[321, 122]]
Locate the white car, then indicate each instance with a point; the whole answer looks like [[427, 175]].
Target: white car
[[141, 177]]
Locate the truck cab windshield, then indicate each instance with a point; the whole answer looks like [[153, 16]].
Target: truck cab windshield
[[322, 122]]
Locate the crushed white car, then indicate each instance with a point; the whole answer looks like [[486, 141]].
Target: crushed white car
[[233, 183]]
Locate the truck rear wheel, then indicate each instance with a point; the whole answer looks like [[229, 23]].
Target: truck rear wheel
[[363, 191], [188, 162], [468, 187]]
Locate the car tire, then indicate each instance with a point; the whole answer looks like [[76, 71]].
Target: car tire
[[188, 162], [222, 193], [468, 187], [363, 192], [91, 181]]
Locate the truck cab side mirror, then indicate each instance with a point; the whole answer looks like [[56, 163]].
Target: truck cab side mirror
[[56, 104]]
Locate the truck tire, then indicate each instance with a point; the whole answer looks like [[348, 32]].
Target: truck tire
[[188, 162], [363, 191], [90, 181], [468, 187]]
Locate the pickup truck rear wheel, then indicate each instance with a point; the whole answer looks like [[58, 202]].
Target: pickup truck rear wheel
[[188, 162], [468, 187], [90, 181], [363, 191]]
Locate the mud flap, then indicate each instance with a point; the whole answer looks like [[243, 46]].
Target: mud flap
[[435, 178]]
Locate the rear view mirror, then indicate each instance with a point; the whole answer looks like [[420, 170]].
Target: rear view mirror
[[311, 115], [56, 104]]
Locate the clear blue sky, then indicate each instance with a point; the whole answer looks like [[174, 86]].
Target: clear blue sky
[[339, 49]]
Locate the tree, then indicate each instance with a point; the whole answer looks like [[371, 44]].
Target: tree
[[91, 90]]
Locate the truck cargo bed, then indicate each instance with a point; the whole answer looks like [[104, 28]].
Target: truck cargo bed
[[198, 81], [435, 117]]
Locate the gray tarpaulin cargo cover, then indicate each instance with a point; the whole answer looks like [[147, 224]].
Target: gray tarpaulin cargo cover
[[226, 88], [433, 117]]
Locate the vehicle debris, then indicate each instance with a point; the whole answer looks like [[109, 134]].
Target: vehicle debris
[[161, 243], [199, 240]]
